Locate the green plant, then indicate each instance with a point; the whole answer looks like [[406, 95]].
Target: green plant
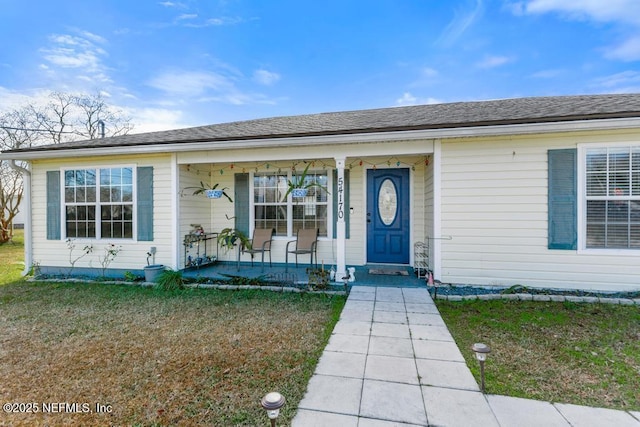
[[170, 280], [301, 182], [230, 237], [203, 188], [318, 278], [130, 277]]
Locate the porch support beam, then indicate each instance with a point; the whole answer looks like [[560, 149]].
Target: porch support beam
[[341, 243]]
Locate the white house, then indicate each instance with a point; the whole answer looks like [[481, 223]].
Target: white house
[[534, 191]]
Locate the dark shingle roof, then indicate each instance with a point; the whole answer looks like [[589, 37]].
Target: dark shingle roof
[[433, 116]]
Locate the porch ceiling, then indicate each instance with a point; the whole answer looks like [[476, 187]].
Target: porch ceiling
[[326, 151]]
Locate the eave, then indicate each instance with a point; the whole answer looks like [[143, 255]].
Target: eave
[[287, 141]]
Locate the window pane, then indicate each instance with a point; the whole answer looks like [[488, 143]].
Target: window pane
[[71, 213], [127, 176], [105, 176], [127, 193], [617, 236], [105, 194], [69, 178], [69, 195], [90, 177], [116, 194], [80, 178], [91, 194]]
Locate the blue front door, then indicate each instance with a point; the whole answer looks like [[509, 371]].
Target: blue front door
[[388, 225]]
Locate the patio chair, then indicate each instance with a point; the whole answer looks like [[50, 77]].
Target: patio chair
[[306, 243], [261, 243]]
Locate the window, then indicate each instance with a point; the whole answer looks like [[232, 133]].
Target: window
[[287, 216], [612, 193], [98, 203]]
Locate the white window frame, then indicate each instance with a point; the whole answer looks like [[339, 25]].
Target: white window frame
[[582, 200], [290, 233], [98, 204]]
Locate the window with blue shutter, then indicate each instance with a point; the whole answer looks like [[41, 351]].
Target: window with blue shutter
[[563, 199]]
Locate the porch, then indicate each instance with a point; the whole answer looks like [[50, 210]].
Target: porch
[[386, 275]]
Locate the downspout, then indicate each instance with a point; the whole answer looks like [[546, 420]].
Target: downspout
[[26, 196]]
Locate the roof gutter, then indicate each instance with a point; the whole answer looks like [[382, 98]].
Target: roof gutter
[[28, 233], [289, 141]]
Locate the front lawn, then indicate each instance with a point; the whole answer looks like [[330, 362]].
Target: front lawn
[[587, 354], [195, 357]]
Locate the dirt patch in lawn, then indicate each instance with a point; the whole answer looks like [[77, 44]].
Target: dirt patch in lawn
[[151, 357]]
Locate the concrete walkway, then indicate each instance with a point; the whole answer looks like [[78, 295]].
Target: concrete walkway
[[391, 361]]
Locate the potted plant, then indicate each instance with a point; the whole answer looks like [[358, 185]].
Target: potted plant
[[231, 237], [298, 186], [212, 192]]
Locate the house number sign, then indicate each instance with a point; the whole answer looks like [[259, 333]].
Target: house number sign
[[341, 198]]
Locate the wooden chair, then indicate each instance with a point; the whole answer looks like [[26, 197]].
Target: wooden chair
[[306, 243], [261, 243]]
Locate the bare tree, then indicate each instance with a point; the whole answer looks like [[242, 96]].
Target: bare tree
[[66, 117], [94, 110], [18, 129]]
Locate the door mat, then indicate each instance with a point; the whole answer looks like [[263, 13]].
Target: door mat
[[388, 272]]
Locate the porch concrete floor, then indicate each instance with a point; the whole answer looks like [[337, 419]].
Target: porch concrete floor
[[278, 273]]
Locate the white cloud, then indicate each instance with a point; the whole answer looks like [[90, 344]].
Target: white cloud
[[547, 74], [623, 13], [190, 83], [265, 77], [155, 119], [597, 10], [462, 20], [429, 72], [206, 86], [493, 61], [210, 22], [408, 99], [629, 50], [625, 78], [82, 50], [186, 16], [173, 4]]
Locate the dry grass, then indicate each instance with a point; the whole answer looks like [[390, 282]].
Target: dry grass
[[185, 358], [12, 258], [586, 354]]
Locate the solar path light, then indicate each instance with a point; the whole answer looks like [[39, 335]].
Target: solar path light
[[272, 402], [481, 350]]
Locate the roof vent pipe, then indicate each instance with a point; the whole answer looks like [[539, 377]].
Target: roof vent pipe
[[101, 126]]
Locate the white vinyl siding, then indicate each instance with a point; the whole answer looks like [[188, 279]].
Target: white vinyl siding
[[55, 253], [494, 207]]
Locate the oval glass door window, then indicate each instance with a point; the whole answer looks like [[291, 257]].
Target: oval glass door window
[[387, 202]]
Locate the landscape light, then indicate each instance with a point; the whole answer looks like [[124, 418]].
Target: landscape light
[[272, 402], [481, 350]]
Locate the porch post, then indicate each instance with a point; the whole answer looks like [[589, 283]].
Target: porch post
[[341, 268]]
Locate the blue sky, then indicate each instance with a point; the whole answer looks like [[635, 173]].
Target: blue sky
[[179, 63]]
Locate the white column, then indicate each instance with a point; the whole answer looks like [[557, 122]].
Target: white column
[[341, 243]]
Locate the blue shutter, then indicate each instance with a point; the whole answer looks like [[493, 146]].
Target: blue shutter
[[53, 205], [334, 193], [563, 199], [241, 202], [145, 203]]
